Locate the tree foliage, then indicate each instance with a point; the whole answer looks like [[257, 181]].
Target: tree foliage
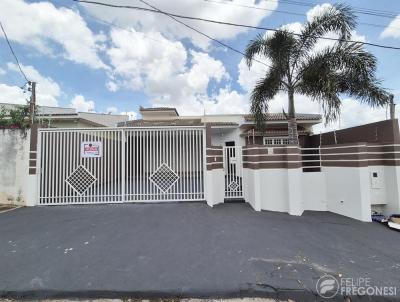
[[296, 67], [14, 118]]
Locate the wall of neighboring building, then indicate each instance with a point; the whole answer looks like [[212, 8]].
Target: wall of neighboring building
[[14, 166], [379, 132]]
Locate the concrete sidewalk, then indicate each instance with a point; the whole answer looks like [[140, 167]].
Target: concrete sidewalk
[[187, 250]]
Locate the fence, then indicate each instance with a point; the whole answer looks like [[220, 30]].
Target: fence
[[311, 159], [121, 165]]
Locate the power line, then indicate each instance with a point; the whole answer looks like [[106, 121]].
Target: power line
[[142, 34], [13, 53], [175, 16], [229, 3], [358, 10]]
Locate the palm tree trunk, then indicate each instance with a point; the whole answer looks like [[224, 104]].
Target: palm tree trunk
[[292, 123]]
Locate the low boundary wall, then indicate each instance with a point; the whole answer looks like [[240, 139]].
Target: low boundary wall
[[353, 179], [16, 184]]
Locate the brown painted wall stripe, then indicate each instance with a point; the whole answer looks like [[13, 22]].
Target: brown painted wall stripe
[[254, 151], [344, 150], [258, 166], [212, 160], [286, 151], [383, 149], [271, 158], [213, 152], [214, 166]]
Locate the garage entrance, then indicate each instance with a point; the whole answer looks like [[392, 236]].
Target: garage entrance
[[114, 165]]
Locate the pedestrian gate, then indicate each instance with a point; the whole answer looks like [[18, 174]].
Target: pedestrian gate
[[233, 172], [113, 165]]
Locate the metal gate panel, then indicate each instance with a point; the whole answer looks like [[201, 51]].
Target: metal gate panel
[[136, 165], [164, 165], [233, 168]]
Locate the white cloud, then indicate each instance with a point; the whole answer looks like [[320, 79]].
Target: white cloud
[[2, 71], [42, 26], [228, 102], [112, 110], [47, 90], [172, 77], [112, 86], [393, 29], [150, 22], [131, 114], [81, 105], [12, 95]]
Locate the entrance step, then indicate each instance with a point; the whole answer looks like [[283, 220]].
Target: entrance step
[[234, 200]]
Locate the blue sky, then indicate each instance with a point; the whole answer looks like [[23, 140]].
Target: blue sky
[[152, 61]]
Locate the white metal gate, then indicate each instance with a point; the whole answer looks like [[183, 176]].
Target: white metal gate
[[84, 166], [233, 172]]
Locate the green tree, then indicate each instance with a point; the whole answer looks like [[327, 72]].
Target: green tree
[[297, 68]]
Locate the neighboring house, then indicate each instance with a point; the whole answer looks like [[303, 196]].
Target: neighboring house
[[230, 129], [58, 117]]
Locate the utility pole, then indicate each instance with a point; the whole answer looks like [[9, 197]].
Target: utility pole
[[392, 107], [34, 130], [32, 103]]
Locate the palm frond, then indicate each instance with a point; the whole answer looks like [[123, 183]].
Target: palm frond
[[341, 69], [337, 19], [255, 47], [263, 92]]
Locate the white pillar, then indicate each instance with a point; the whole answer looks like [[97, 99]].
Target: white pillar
[[215, 186], [295, 195]]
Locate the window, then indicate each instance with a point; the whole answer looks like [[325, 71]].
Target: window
[[276, 141]]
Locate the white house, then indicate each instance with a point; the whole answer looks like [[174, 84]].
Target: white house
[[165, 157]]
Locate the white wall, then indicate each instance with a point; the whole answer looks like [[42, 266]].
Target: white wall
[[348, 191], [220, 136], [267, 189], [314, 191], [386, 192], [14, 167], [215, 186], [251, 188]]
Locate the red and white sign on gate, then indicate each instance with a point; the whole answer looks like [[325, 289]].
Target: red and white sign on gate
[[91, 149]]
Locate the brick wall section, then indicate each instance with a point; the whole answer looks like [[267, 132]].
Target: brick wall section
[[360, 155], [261, 157], [214, 154], [380, 132], [33, 149]]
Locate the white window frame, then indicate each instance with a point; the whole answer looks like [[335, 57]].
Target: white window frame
[[280, 140]]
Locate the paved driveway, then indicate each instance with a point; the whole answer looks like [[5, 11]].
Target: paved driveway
[[187, 250]]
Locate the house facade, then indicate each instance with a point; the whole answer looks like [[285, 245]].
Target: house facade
[[165, 157], [230, 129]]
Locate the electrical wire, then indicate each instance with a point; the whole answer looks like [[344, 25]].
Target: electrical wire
[[176, 16], [229, 3], [13, 53], [358, 10]]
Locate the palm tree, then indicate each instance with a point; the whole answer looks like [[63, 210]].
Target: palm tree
[[297, 68]]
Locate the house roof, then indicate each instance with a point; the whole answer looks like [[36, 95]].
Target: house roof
[[282, 117], [155, 109], [155, 123], [272, 132], [69, 114]]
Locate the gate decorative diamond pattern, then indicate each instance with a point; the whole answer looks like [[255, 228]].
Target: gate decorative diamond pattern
[[233, 185], [80, 180], [164, 177]]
